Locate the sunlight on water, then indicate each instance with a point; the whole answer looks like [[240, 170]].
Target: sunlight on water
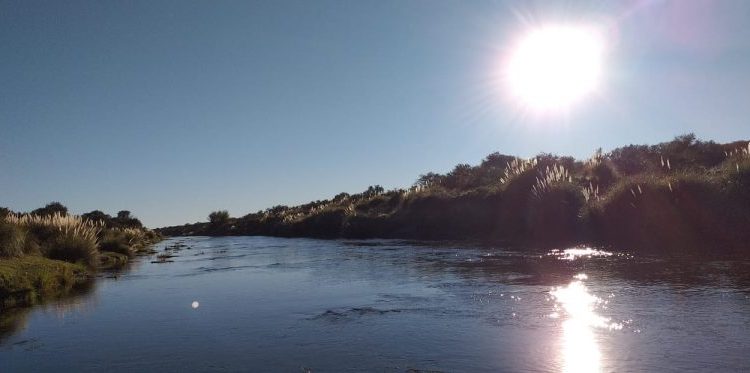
[[578, 252], [580, 352]]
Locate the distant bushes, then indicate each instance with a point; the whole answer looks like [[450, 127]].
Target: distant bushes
[[218, 217], [678, 196]]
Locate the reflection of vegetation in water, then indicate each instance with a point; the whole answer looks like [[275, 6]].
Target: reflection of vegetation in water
[[680, 196], [63, 302], [28, 279], [12, 321]]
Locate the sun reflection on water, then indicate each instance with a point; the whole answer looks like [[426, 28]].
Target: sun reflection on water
[[578, 252], [580, 351]]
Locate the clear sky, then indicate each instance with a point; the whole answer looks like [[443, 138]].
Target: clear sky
[[172, 109]]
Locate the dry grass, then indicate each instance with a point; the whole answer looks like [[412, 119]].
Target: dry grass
[[68, 225], [550, 176], [591, 192], [517, 167], [64, 237]]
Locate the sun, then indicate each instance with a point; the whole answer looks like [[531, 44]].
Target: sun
[[554, 67]]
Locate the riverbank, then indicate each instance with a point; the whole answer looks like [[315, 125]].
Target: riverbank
[[48, 253], [28, 280], [677, 197]]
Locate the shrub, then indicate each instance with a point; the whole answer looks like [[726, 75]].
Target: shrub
[[114, 240], [72, 247], [57, 233], [218, 217], [553, 217], [12, 239]]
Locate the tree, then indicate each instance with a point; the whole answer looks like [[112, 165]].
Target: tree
[[97, 215], [51, 208], [374, 190], [126, 220], [218, 217], [460, 178], [340, 197], [429, 179]]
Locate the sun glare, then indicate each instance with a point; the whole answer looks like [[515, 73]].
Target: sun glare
[[553, 67]]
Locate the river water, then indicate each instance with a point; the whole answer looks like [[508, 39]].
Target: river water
[[295, 305]]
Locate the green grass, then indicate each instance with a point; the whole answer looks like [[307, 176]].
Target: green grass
[[26, 280]]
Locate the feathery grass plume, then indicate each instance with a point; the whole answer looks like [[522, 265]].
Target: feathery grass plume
[[66, 224], [517, 167], [551, 175], [738, 152], [64, 237], [591, 192], [666, 165], [596, 159]]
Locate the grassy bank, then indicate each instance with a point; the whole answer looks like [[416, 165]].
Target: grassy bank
[[684, 195], [29, 279], [48, 252]]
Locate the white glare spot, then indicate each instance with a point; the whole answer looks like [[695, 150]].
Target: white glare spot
[[195, 304]]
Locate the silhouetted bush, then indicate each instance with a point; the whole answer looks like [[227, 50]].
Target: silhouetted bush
[[97, 215], [553, 218], [51, 209]]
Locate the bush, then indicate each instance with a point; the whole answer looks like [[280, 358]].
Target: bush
[[553, 217], [12, 240], [601, 174], [73, 248], [218, 217], [115, 241]]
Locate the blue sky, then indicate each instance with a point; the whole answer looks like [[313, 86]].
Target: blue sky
[[172, 109]]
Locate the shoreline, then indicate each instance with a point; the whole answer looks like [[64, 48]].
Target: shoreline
[[680, 197]]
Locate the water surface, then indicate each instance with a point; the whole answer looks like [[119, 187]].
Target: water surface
[[293, 305]]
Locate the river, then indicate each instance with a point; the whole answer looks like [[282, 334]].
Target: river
[[301, 305]]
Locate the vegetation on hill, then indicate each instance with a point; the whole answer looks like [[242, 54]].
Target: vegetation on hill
[[685, 195], [48, 251]]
